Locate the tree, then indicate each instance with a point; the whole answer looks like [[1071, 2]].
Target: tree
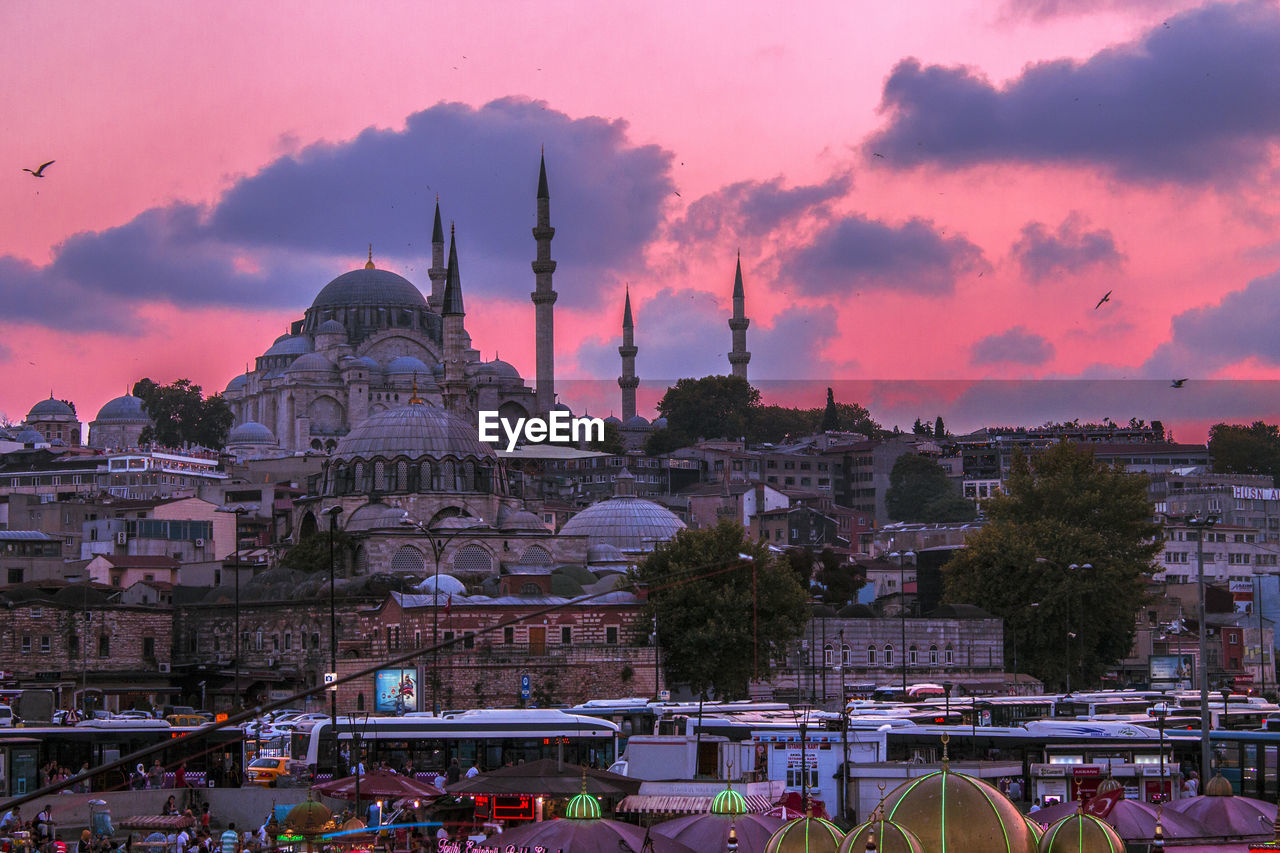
[[662, 441], [1062, 508], [919, 490], [182, 415], [714, 625], [939, 428], [612, 441], [830, 415], [840, 579], [711, 407], [1253, 449], [311, 554]]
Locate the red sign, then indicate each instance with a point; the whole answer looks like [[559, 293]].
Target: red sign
[[1086, 770]]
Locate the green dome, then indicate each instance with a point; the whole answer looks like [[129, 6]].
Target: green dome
[[889, 838], [805, 835], [1081, 833], [1036, 829], [729, 801], [308, 818], [583, 807]]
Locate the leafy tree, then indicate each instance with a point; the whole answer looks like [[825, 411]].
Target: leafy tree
[[311, 554], [1253, 449], [183, 415], [612, 442], [711, 407], [705, 621], [1061, 508], [830, 415], [800, 561], [919, 490], [839, 578], [939, 428], [662, 441], [70, 405]]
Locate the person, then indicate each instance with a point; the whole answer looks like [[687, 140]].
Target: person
[[155, 776], [84, 786], [44, 825], [408, 769], [139, 778], [230, 840], [12, 820], [442, 836], [170, 807], [205, 817], [454, 773], [1192, 784], [1015, 790], [180, 776], [375, 814], [1035, 807], [182, 841], [473, 771], [85, 844]]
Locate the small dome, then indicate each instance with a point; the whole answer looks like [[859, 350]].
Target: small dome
[[583, 807], [991, 822], [1081, 833], [1106, 786], [127, 409], [251, 432], [50, 408], [729, 801], [445, 585], [311, 361], [1218, 786], [375, 516], [237, 384], [636, 422], [805, 835], [504, 369], [603, 553], [612, 420], [889, 838], [414, 431], [29, 436], [659, 423], [561, 407], [407, 364], [331, 327], [627, 523], [369, 286], [291, 345], [308, 818], [518, 520], [363, 361], [57, 442]]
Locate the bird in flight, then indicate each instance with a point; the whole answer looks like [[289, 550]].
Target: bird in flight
[[877, 154], [1177, 383], [39, 173], [1106, 298]]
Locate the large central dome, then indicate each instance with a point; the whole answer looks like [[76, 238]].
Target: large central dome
[[369, 286], [415, 431]]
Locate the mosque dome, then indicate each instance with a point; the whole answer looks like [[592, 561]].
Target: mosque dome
[[308, 818], [931, 806], [369, 286], [636, 422], [729, 801], [50, 408], [889, 838], [414, 431], [582, 807], [1218, 786], [312, 361], [237, 384], [659, 423], [375, 516], [504, 369], [1081, 833], [407, 364], [123, 410], [251, 432], [805, 835], [605, 554], [29, 436], [627, 523], [331, 327], [289, 345], [362, 361], [613, 420], [509, 521]]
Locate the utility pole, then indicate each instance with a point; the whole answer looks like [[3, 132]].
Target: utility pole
[[1202, 526]]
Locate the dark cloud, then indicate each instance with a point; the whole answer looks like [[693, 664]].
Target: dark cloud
[[1045, 254], [751, 209], [1040, 10], [1240, 327], [1194, 101], [1014, 346], [275, 238], [855, 252], [684, 333]]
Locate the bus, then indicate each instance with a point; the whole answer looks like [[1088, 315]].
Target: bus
[[486, 739], [1250, 761]]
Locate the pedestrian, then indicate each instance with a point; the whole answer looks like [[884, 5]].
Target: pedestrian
[[182, 841], [12, 820], [473, 771], [1191, 786], [85, 844], [205, 817], [155, 776], [139, 778], [454, 773], [44, 825], [230, 840], [1015, 790], [180, 776], [84, 786], [1035, 807]]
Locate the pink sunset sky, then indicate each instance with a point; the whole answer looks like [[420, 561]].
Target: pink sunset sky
[[933, 191]]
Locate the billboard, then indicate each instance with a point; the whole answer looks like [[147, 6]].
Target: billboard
[[396, 690], [1172, 671]]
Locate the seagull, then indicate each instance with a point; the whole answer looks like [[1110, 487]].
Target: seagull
[[1105, 298], [877, 154], [39, 173], [1177, 383]]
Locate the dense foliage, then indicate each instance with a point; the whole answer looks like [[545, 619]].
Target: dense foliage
[[182, 415], [920, 491], [1253, 449]]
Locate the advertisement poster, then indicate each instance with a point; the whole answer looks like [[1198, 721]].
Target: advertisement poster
[[396, 690], [1172, 671]]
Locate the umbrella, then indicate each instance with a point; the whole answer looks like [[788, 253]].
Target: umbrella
[[589, 836], [711, 831], [379, 785], [1228, 815], [1133, 820], [783, 813], [547, 777]]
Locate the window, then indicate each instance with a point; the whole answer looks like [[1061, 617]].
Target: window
[[871, 654], [913, 656], [948, 656], [933, 655], [846, 654], [288, 639], [888, 653], [149, 647], [315, 640], [508, 635], [104, 646], [468, 639], [15, 575], [828, 654], [611, 635], [26, 644], [73, 646], [566, 634]]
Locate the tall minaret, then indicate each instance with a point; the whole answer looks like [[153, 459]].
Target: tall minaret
[[544, 297], [455, 344], [628, 381], [738, 323], [437, 273]]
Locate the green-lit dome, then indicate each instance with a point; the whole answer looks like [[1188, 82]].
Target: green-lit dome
[[308, 818], [1081, 833], [583, 807], [805, 835], [1037, 831], [729, 801], [888, 836], [954, 813]]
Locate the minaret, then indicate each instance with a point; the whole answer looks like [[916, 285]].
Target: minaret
[[738, 323], [544, 297], [437, 273], [455, 379], [628, 381]]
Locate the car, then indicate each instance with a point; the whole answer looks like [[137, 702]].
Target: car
[[266, 772], [134, 715]]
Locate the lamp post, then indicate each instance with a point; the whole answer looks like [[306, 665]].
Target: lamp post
[[333, 512], [902, 591], [1160, 710], [1201, 525], [238, 510], [438, 546]]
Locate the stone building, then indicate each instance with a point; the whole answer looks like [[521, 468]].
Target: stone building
[[54, 421], [119, 424]]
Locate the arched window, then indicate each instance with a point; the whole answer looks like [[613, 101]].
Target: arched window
[[846, 654], [536, 555], [402, 477], [913, 657], [362, 561], [359, 701], [449, 476], [933, 655], [827, 656], [472, 560], [339, 485], [424, 478], [362, 483], [408, 560], [871, 654], [888, 653], [380, 475], [948, 656], [469, 476]]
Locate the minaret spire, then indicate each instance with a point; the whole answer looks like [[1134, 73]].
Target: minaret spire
[[544, 297], [738, 356], [455, 344], [628, 380], [437, 273]]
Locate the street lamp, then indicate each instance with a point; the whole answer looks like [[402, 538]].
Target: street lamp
[[438, 546], [238, 510], [1161, 710], [333, 512], [1201, 526], [902, 591]]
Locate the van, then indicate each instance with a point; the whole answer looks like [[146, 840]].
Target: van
[[6, 716]]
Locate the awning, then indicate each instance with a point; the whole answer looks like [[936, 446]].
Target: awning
[[659, 804]]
